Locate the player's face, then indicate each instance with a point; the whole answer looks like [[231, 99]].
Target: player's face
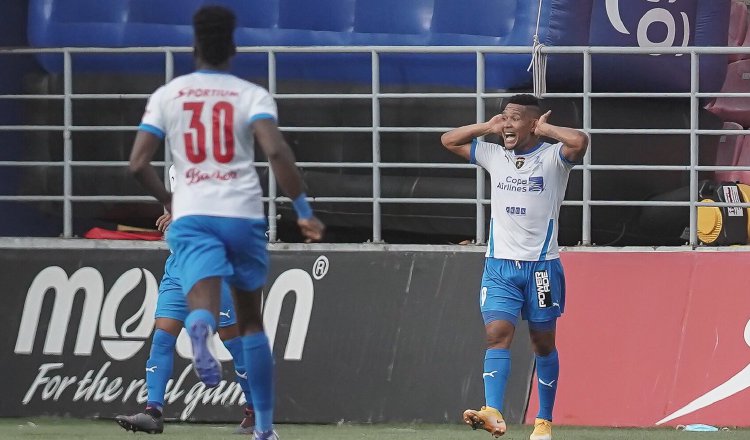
[[518, 126]]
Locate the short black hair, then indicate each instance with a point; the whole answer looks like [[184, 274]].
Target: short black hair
[[214, 34], [523, 99]]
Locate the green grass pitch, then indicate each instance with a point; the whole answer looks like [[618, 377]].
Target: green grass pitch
[[76, 429]]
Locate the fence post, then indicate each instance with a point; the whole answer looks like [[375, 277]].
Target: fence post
[[272, 226], [67, 145], [586, 196], [694, 86], [376, 220], [480, 238]]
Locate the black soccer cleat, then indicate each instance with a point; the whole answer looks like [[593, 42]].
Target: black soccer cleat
[[141, 422]]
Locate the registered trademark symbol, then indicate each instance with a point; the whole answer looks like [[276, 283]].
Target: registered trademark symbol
[[320, 267]]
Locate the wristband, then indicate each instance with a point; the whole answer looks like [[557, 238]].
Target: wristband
[[304, 211]]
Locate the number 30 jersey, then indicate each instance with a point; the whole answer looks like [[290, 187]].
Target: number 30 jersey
[[205, 118]]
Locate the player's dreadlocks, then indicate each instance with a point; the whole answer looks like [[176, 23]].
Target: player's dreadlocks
[[214, 29]]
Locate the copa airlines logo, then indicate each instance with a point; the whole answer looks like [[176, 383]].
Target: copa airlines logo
[[654, 16], [119, 345]]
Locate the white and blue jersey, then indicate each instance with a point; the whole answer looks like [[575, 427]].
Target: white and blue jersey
[[523, 275], [527, 191], [206, 117], [219, 227]]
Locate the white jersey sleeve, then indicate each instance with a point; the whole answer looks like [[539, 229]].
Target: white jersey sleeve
[[482, 153], [562, 162], [153, 118], [261, 106]]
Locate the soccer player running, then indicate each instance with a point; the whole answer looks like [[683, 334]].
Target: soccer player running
[[210, 120], [171, 311], [522, 272]]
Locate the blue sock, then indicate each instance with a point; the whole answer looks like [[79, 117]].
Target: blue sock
[[259, 364], [200, 315], [496, 371], [159, 367], [547, 371], [234, 346]]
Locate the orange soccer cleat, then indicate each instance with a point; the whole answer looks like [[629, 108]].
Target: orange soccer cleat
[[542, 430], [487, 418]]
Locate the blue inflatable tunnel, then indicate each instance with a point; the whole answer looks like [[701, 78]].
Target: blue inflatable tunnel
[[82, 23]]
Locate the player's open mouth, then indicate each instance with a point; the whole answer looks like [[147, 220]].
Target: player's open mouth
[[509, 137]]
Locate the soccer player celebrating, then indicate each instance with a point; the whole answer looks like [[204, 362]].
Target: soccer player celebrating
[[522, 272], [171, 311], [210, 120]]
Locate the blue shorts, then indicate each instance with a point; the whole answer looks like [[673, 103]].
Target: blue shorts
[[171, 302], [231, 248], [535, 290]]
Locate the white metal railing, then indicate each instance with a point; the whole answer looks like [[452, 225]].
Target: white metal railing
[[586, 202]]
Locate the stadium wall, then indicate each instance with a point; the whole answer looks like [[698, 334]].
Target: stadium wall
[[652, 338], [378, 333], [369, 336]]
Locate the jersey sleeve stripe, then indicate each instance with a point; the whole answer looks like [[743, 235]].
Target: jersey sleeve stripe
[[156, 131], [491, 244], [565, 159], [473, 155], [261, 116], [550, 227]]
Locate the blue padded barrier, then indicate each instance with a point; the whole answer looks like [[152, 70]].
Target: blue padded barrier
[[407, 23]]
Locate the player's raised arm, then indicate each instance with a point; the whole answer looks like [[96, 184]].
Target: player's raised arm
[[281, 159], [458, 141], [144, 148], [575, 142]]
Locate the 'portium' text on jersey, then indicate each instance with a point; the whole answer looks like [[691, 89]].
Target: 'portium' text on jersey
[[527, 191], [205, 117]]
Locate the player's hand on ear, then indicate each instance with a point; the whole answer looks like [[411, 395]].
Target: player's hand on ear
[[496, 124], [539, 126], [312, 229]]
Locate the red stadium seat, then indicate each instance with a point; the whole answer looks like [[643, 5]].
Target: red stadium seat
[[728, 152], [745, 42], [743, 160], [734, 109], [738, 24]]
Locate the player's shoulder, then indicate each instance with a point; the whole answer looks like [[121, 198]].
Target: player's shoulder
[[252, 88], [548, 147], [490, 146], [238, 82], [171, 87], [549, 150]]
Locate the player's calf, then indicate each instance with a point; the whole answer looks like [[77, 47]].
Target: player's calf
[[200, 326]]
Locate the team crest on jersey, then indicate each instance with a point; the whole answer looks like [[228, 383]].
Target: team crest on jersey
[[519, 162]]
